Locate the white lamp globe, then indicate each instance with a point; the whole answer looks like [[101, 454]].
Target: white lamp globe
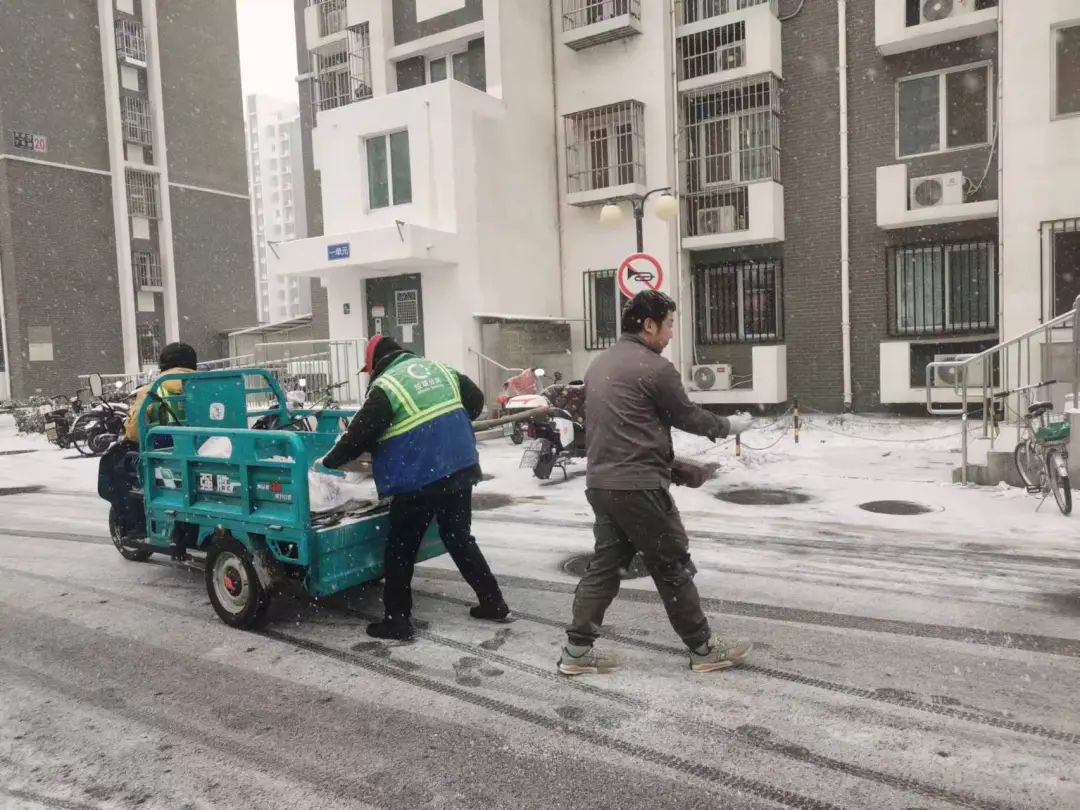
[[611, 214], [667, 207]]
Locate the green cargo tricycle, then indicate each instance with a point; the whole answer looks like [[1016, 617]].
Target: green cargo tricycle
[[210, 483]]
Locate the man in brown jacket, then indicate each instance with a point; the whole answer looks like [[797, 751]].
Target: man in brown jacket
[[633, 398]]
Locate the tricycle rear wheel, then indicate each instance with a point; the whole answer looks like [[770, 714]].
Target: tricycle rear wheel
[[233, 584]]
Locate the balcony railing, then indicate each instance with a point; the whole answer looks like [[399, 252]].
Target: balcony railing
[[713, 51], [343, 71], [711, 213], [579, 13], [592, 22], [332, 15], [130, 40], [135, 115], [147, 267], [142, 193], [692, 11], [605, 147]]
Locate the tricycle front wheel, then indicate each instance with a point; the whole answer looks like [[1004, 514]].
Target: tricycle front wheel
[[233, 585]]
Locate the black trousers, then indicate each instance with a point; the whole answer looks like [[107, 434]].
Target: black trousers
[[410, 516], [626, 523]]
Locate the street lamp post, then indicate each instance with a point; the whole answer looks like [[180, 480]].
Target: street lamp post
[[667, 208]]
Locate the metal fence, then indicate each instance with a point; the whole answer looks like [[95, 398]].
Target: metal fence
[[343, 71], [602, 308], [942, 289], [579, 13], [135, 114], [739, 302], [716, 212], [147, 267]]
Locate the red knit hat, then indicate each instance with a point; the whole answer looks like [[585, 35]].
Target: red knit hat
[[369, 353]]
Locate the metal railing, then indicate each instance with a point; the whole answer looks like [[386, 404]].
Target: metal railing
[[713, 51], [605, 146], [692, 11], [130, 39], [603, 304], [1011, 365], [579, 13], [332, 14]]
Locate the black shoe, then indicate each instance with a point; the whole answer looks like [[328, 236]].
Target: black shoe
[[498, 612], [397, 629]]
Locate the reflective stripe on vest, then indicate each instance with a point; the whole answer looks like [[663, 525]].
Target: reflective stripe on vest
[[414, 399]]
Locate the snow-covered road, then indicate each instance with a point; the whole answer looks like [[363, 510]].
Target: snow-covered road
[[900, 662]]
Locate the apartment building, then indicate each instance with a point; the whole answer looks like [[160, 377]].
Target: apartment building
[[124, 214], [278, 211], [862, 187]]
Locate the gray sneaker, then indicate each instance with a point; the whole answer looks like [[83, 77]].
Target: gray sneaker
[[589, 663], [723, 653]]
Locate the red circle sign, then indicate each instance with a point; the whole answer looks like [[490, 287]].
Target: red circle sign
[[639, 272]]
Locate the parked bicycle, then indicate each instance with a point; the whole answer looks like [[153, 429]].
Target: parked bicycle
[[1042, 454]]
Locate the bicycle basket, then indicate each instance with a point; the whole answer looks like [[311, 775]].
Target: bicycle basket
[[1052, 433]]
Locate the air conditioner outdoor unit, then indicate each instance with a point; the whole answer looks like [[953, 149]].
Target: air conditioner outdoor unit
[[723, 219], [948, 377], [935, 10], [715, 377], [937, 190]]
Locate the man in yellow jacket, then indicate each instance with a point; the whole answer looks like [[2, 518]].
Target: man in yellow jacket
[[114, 474], [176, 358]]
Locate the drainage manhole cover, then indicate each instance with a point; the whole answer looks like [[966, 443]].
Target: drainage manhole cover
[[576, 566], [896, 507], [763, 497], [15, 452], [483, 501], [20, 490]]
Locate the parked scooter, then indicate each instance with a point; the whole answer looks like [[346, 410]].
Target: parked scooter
[[101, 424], [558, 436], [59, 420], [521, 393]]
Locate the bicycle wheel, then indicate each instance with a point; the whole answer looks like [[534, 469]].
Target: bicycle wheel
[[1058, 472], [1028, 464]]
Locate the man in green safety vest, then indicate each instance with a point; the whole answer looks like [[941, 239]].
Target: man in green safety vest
[[417, 425]]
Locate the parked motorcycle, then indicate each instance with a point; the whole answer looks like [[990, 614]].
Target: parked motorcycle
[[102, 423], [522, 393], [558, 436]]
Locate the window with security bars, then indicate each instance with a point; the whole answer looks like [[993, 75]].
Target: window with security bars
[[1061, 246], [738, 302], [692, 11], [147, 267], [332, 14], [130, 39], [150, 343], [603, 305], [942, 289], [729, 136], [135, 116], [142, 193], [343, 70], [605, 147], [712, 51], [579, 13]]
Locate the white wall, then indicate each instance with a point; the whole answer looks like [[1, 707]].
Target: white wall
[[1040, 156], [625, 69]]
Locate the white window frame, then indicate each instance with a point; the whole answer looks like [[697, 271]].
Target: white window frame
[[1054, 114], [943, 109], [447, 55], [389, 170], [737, 150]]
